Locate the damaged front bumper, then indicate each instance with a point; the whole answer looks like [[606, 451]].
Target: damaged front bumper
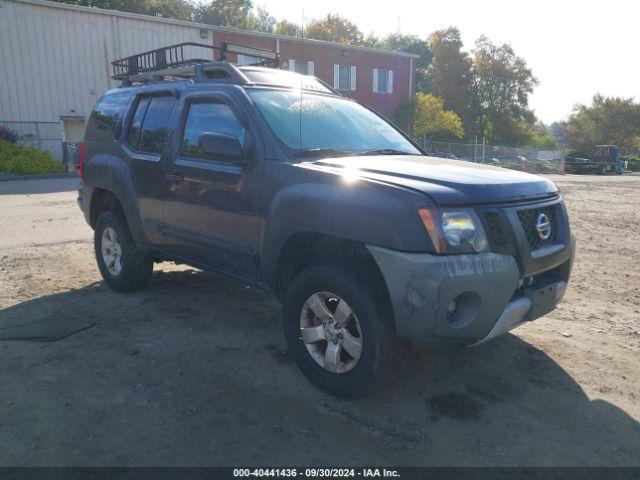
[[466, 299]]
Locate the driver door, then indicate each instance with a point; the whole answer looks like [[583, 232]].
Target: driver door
[[212, 213]]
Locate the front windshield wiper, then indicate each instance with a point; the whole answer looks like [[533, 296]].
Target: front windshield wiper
[[322, 152], [385, 151]]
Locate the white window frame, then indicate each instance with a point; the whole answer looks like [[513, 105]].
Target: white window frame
[[247, 60], [310, 66], [376, 72], [352, 77]]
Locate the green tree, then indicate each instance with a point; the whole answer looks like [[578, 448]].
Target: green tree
[[284, 27], [174, 9], [544, 142], [411, 44], [607, 121], [262, 21], [335, 28], [542, 137], [226, 13], [501, 83], [426, 116], [449, 76], [559, 131], [133, 6]]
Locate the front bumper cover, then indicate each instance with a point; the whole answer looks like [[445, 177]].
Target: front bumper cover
[[485, 286]]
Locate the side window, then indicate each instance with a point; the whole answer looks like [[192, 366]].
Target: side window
[[153, 133], [208, 117], [106, 118], [136, 122]]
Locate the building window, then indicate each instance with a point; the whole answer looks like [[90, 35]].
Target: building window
[[301, 66], [382, 80], [248, 60], [344, 77]]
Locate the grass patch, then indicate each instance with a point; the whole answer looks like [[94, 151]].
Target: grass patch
[[18, 160]]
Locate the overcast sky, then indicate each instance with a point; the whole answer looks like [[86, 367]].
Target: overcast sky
[[575, 48]]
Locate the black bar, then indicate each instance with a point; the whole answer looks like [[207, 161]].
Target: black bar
[[404, 473]]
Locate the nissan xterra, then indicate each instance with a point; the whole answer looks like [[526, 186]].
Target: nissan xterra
[[275, 179]]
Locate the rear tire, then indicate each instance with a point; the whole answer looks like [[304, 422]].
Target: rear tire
[[123, 266], [368, 324]]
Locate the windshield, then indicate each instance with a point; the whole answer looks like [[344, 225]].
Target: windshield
[[317, 124]]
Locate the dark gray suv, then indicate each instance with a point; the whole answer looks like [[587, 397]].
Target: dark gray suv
[[275, 179]]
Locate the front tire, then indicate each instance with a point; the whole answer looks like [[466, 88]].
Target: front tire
[[122, 265], [338, 331]]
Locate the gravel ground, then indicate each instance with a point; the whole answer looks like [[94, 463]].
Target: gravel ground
[[194, 370]]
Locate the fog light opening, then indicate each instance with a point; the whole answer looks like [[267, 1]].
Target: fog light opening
[[463, 309]]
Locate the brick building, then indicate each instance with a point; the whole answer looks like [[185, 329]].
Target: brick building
[[380, 79]]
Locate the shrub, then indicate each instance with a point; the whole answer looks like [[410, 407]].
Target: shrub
[[8, 135], [633, 163], [19, 160]]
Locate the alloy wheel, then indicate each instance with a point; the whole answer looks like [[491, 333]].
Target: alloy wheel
[[331, 332], [111, 251]]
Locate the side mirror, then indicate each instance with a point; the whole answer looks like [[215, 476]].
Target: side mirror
[[221, 145]]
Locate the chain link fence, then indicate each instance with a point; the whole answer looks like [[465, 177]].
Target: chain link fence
[[41, 135], [525, 159]]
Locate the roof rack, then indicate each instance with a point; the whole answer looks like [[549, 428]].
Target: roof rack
[[172, 61]]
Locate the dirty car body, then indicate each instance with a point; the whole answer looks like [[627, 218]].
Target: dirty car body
[[475, 296], [278, 181]]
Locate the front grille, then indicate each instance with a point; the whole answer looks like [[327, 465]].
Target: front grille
[[529, 218], [495, 230]]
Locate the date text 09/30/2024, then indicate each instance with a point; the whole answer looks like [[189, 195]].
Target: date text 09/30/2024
[[316, 472]]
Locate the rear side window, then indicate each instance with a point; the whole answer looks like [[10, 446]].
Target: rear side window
[[136, 123], [148, 129], [154, 126], [208, 117], [106, 118]]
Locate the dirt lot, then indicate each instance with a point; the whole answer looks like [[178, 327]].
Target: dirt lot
[[194, 370]]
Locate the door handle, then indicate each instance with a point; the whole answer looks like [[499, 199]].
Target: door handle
[[174, 177]]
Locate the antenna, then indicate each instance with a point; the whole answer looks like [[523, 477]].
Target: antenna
[[302, 59]]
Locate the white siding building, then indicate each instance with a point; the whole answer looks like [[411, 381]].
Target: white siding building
[[55, 62]]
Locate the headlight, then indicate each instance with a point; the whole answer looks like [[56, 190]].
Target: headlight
[[454, 231]]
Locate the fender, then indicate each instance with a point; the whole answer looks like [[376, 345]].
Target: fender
[[362, 211], [111, 173]]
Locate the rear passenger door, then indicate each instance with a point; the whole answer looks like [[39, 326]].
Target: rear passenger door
[[145, 142], [212, 206]]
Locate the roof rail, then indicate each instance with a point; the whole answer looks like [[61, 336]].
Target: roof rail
[[172, 61]]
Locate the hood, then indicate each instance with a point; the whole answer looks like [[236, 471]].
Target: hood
[[445, 181]]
